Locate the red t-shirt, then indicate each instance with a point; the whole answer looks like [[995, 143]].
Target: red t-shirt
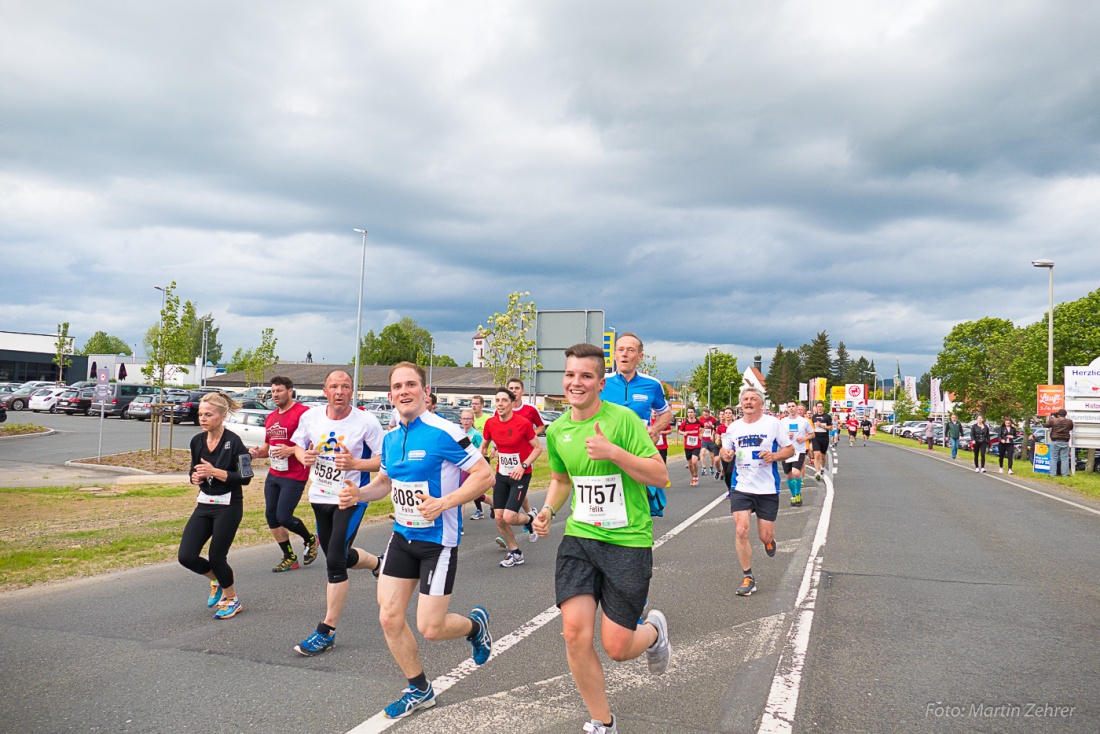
[[662, 437], [718, 431], [530, 412], [512, 439], [280, 427], [708, 423], [691, 433], [853, 425]]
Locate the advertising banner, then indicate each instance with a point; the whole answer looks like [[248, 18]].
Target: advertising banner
[[838, 394], [1083, 382], [911, 389], [1050, 399], [937, 396], [855, 394], [1040, 460], [803, 391], [821, 389]]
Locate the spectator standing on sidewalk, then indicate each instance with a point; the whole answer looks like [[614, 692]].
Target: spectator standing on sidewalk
[[952, 431], [1060, 427], [930, 434], [1006, 436], [979, 434]]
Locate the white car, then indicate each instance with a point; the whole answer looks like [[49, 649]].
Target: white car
[[46, 399], [249, 424]]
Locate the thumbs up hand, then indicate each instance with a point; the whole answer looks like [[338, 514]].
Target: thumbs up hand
[[598, 446]]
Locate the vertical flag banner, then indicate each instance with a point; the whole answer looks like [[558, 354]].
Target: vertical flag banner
[[911, 388], [937, 397], [609, 352], [803, 391]]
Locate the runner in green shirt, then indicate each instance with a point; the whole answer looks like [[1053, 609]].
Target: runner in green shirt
[[603, 455]]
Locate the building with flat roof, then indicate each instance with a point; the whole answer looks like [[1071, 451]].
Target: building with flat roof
[[26, 356]]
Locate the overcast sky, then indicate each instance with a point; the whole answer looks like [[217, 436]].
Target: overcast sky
[[707, 173]]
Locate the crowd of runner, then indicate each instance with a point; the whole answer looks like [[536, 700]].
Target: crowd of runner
[[607, 457]]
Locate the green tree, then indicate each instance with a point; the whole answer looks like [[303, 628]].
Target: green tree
[[102, 343], [404, 341], [508, 352], [964, 363], [171, 340], [904, 408], [648, 365], [723, 371], [258, 363], [840, 365], [816, 362], [194, 326], [64, 348], [859, 372]]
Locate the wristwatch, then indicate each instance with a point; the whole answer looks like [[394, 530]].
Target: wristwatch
[[525, 466]]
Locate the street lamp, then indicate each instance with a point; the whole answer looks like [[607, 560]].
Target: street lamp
[[1049, 264], [731, 394], [202, 367], [359, 318], [431, 359], [160, 344], [710, 351]]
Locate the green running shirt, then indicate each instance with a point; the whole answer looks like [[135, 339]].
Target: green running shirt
[[565, 446]]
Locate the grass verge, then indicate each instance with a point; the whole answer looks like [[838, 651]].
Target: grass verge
[[20, 429], [54, 533], [1085, 483]]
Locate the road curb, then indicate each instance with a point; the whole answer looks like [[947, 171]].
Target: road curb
[[47, 432], [81, 464]]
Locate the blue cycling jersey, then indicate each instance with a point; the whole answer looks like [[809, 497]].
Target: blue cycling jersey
[[642, 394], [433, 450]]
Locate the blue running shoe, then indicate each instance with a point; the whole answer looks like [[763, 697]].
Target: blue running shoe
[[411, 699], [315, 644], [215, 594], [228, 608], [483, 643]]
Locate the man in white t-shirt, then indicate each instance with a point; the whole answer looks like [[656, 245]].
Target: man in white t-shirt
[[800, 431], [338, 443], [754, 445]]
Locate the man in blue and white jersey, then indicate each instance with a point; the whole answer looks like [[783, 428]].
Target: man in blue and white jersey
[[754, 445], [421, 469], [643, 394]]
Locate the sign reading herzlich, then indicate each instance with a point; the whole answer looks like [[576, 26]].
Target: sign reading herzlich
[[1051, 399]]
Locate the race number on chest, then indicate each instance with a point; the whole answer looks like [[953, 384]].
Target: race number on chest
[[405, 503], [599, 501]]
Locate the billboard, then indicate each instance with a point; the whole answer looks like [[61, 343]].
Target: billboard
[[556, 331], [1050, 399]]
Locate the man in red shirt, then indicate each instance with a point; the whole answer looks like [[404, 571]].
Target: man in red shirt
[[708, 422], [517, 447], [287, 477], [691, 429], [531, 413]]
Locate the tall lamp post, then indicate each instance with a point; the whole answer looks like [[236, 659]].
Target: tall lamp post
[[1049, 265], [359, 319], [710, 352], [202, 367], [160, 344], [431, 359]]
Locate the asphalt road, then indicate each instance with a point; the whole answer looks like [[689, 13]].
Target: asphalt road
[[938, 585]]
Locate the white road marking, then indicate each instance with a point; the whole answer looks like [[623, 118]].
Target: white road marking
[[782, 701], [954, 462], [379, 722]]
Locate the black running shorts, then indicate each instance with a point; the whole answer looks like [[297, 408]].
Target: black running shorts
[[766, 506], [821, 442], [616, 575], [508, 493], [795, 462], [434, 564]]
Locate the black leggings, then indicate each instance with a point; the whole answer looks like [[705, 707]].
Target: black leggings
[[281, 498], [726, 474], [218, 524], [1001, 455], [979, 448], [336, 530]]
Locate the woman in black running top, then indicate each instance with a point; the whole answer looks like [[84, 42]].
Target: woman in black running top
[[220, 467], [979, 434]]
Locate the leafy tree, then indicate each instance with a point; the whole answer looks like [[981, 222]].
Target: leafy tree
[[723, 371], [443, 360], [648, 365], [404, 341], [169, 341], [816, 362], [924, 386], [840, 365], [771, 380], [858, 372], [194, 326], [102, 343], [64, 348], [964, 363], [904, 408], [508, 352], [257, 364]]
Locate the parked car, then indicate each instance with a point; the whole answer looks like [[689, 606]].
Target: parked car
[[249, 424], [82, 384], [253, 404], [452, 415], [909, 428], [549, 416], [46, 399], [76, 401], [19, 399], [189, 404], [119, 396], [141, 408], [38, 384]]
